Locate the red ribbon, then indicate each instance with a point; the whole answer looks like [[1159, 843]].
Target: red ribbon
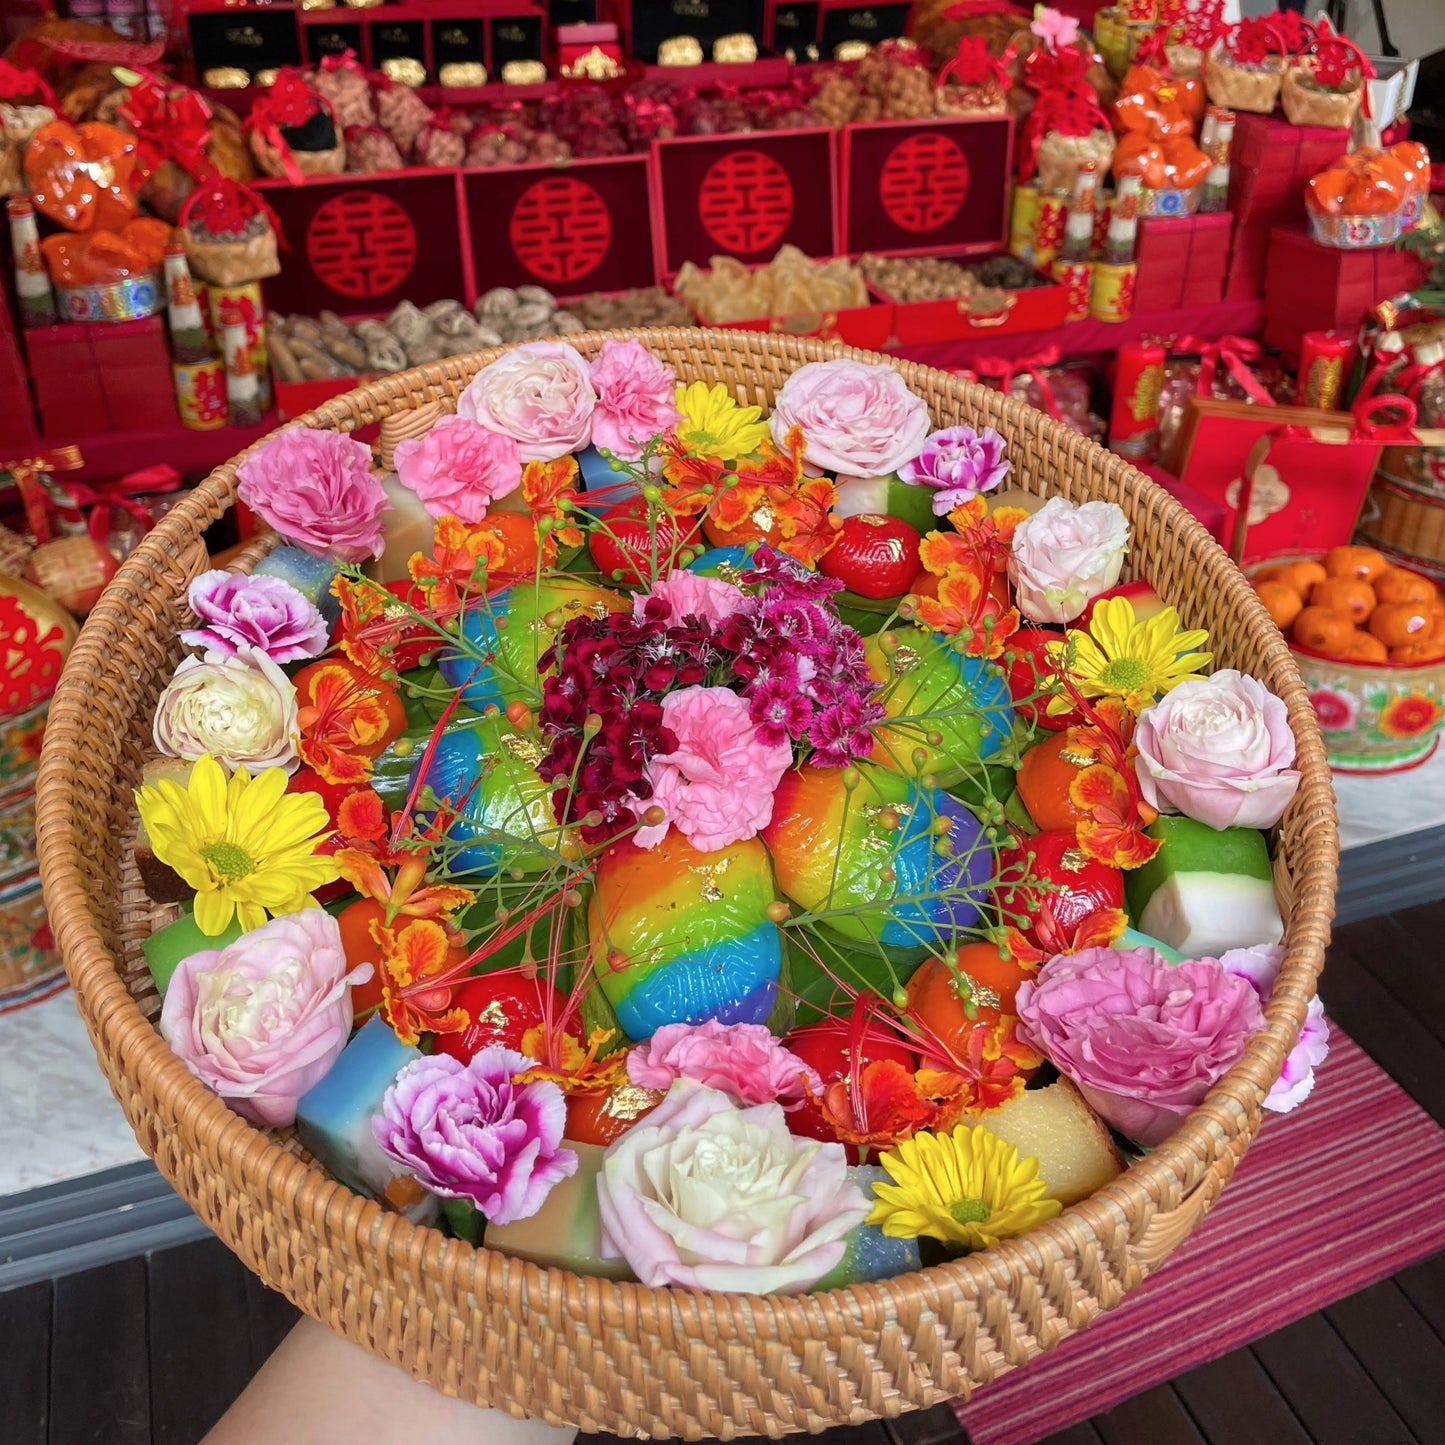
[[16, 83], [972, 64], [170, 122], [121, 492], [1008, 370], [345, 61], [1236, 352], [27, 472], [222, 205], [971, 9], [289, 102]]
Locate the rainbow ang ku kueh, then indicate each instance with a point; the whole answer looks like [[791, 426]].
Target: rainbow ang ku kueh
[[726, 851]]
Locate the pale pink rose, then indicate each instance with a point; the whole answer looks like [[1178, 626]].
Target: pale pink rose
[[858, 420], [744, 1061], [636, 398], [703, 1195], [1054, 28], [689, 594], [459, 468], [262, 1020], [716, 787], [540, 395], [316, 488], [1296, 1080], [1218, 749], [239, 708], [1065, 555], [1143, 1039]]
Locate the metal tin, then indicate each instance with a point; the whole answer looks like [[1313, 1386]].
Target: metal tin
[[248, 301], [201, 394], [1023, 221], [1074, 277], [1112, 295], [128, 300]]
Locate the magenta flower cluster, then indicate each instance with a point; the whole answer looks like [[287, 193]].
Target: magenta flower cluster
[[785, 649]]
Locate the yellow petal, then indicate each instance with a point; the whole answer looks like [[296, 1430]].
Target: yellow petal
[[214, 910]]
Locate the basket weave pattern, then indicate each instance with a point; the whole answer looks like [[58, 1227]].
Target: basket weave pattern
[[586, 1351]]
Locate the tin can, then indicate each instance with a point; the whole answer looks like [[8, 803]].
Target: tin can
[[1023, 221], [1138, 381], [1075, 277], [1103, 211], [248, 302], [1112, 295], [1322, 357], [1112, 37], [201, 394], [1049, 229], [1140, 12]]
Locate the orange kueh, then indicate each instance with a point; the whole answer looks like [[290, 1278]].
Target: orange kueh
[[1341, 594], [609, 1356]]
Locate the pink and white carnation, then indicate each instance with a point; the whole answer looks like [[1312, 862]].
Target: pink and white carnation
[[262, 1020], [703, 1195], [716, 786], [540, 395], [959, 463], [690, 594], [858, 420], [459, 468], [1220, 750], [469, 1131], [316, 488], [266, 613], [1260, 966], [1065, 555], [636, 398], [241, 709], [1143, 1039], [744, 1061]]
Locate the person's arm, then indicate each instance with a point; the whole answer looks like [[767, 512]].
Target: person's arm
[[319, 1389]]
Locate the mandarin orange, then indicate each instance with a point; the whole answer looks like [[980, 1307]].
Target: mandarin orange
[[1426, 650], [1281, 601], [1364, 564], [1397, 585], [1398, 623], [1362, 647], [1344, 594], [1323, 629]]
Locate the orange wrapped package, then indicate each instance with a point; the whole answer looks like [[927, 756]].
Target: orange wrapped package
[[1414, 160], [84, 176], [1360, 200], [1164, 163], [99, 258], [1150, 98]]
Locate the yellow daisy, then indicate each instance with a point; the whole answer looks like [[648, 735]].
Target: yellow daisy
[[1120, 656], [967, 1188], [714, 425], [246, 846]]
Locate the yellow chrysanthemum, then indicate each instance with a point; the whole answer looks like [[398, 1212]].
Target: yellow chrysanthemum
[[967, 1188], [1120, 656], [714, 425], [246, 846]]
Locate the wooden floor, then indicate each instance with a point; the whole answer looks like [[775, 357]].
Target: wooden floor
[[150, 1351]]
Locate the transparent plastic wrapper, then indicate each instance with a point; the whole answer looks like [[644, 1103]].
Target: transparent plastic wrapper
[[341, 80], [85, 177], [1359, 201], [99, 258]]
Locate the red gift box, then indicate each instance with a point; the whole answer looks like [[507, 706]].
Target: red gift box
[[1245, 277], [926, 187], [1270, 161], [572, 228], [1181, 261], [17, 410], [744, 196], [134, 362], [68, 390], [1309, 287], [364, 243]]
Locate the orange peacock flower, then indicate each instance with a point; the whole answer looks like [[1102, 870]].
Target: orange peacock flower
[[419, 975], [1101, 929], [568, 1065], [462, 558], [1112, 830], [773, 501], [549, 489], [688, 477], [884, 1102], [344, 715], [368, 621]]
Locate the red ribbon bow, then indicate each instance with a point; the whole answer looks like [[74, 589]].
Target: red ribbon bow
[[18, 83], [27, 472], [1008, 369], [171, 123], [121, 492], [289, 102], [972, 64], [1236, 352], [347, 60], [223, 206]]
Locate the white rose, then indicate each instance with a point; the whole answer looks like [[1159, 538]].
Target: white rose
[[1064, 556], [540, 394], [241, 710], [704, 1195]]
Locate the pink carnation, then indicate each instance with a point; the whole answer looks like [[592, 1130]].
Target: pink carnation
[[317, 490], [716, 787], [1143, 1039], [459, 468], [689, 594], [744, 1061], [1260, 966], [636, 398]]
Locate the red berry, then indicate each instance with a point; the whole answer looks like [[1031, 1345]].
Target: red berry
[[621, 541], [874, 556]]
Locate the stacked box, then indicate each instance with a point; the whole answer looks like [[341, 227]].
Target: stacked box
[[1182, 261], [102, 376], [17, 410]]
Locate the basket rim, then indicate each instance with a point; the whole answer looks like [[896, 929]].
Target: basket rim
[[1161, 1180]]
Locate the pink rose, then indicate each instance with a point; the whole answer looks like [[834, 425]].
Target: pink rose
[[857, 420], [689, 594], [540, 395], [1143, 1039], [1066, 555], [459, 468], [636, 398], [1260, 967], [1219, 750], [317, 490], [743, 1061], [703, 1195], [716, 787], [241, 709], [263, 1019]]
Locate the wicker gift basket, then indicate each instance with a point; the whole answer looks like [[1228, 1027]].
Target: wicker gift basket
[[588, 1351]]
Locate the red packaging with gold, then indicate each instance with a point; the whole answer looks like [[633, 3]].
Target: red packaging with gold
[[1138, 380], [1323, 356], [1049, 223], [1076, 277], [1111, 291]]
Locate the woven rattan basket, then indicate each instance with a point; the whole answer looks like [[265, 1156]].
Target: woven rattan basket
[[587, 1351]]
